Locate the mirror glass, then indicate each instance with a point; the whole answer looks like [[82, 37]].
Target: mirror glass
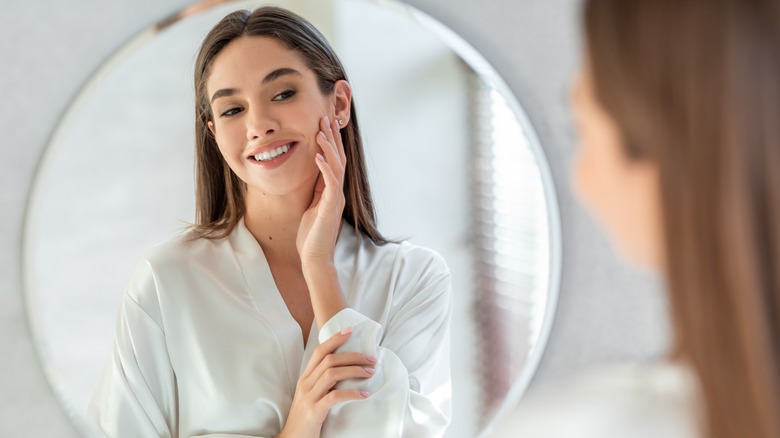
[[454, 166]]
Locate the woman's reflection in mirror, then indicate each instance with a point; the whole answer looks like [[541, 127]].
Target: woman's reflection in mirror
[[282, 312]]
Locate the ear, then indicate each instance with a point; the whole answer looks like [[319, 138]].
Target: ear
[[342, 101], [211, 127]]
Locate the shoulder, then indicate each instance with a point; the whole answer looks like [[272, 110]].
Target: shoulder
[[174, 258], [400, 257], [426, 259], [416, 273], [410, 262], [181, 250], [619, 400]]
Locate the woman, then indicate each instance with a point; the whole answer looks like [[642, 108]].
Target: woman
[[678, 110], [283, 312]]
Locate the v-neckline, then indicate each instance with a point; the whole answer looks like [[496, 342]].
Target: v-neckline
[[269, 303]]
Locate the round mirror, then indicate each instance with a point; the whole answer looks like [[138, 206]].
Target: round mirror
[[453, 162]]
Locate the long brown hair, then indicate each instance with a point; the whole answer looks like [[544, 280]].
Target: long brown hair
[[694, 85], [220, 194]]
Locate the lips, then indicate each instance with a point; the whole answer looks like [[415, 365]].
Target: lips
[[272, 150], [273, 154]]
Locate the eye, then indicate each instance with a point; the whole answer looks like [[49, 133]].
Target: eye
[[231, 112], [284, 95]]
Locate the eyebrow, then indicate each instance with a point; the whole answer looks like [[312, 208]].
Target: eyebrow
[[279, 72], [270, 77]]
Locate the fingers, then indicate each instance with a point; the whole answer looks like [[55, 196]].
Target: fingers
[[322, 406], [332, 376], [333, 147], [342, 395], [339, 143], [315, 393], [331, 131], [327, 172], [336, 360], [330, 155], [335, 139], [319, 188], [326, 348]]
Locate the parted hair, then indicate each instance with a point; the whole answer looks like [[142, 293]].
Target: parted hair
[[220, 194]]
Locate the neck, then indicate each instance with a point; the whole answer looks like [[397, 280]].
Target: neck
[[274, 220]]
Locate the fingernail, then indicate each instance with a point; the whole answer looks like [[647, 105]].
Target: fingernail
[[370, 371], [322, 135], [365, 394], [347, 330], [327, 121], [321, 158], [370, 359]]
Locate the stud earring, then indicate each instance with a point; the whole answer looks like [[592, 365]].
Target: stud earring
[[341, 122]]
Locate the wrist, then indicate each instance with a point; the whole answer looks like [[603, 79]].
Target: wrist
[[327, 298], [299, 433], [317, 268]]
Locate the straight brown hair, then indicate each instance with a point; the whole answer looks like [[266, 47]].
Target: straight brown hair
[[220, 194], [694, 85]]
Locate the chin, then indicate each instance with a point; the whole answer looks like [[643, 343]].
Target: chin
[[285, 185], [642, 258]]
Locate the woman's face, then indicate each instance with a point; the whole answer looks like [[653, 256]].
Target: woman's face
[[623, 194], [267, 108]]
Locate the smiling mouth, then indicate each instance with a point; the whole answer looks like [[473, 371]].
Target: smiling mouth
[[273, 153]]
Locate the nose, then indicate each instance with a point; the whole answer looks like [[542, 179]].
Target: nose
[[260, 124]]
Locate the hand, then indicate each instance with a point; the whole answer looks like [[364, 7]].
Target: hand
[[314, 393], [321, 222]]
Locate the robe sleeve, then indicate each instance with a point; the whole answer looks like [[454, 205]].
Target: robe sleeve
[[411, 389], [136, 393]]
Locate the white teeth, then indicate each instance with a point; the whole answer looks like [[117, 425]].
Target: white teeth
[[270, 155]]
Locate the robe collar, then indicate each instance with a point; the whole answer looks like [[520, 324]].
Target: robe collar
[[269, 303]]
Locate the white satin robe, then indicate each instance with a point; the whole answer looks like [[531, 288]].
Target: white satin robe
[[205, 345]]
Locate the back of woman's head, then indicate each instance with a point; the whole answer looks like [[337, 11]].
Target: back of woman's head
[[219, 191], [694, 86]]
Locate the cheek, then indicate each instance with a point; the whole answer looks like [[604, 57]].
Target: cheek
[[222, 145], [225, 135], [312, 110], [603, 183], [585, 174], [230, 149], [646, 226], [623, 197]]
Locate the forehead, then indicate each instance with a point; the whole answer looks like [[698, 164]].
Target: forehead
[[250, 58]]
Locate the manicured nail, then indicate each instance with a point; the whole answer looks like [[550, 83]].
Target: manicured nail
[[322, 136], [370, 359], [364, 394], [327, 121], [370, 371], [321, 158], [347, 330]]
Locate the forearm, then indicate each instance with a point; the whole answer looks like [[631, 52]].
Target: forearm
[[299, 431], [327, 299]]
